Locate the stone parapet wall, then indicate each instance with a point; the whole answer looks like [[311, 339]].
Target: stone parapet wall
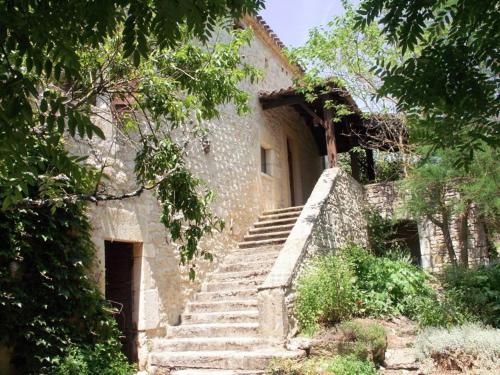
[[331, 219], [386, 200]]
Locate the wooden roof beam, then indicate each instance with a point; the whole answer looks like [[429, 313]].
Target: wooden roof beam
[[313, 114], [279, 102]]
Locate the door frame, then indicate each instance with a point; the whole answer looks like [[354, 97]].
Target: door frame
[[134, 251], [291, 179]]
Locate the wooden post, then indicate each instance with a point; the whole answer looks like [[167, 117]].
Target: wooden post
[[370, 165], [331, 147], [354, 165]]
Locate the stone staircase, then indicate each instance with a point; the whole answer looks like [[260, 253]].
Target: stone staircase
[[219, 333]]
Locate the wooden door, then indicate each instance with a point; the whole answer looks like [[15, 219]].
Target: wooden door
[[290, 172], [119, 262]]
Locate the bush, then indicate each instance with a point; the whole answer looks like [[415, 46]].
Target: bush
[[350, 365], [325, 293], [469, 295], [459, 348], [338, 365], [384, 238], [357, 283], [432, 311], [103, 359], [366, 342], [477, 290], [385, 286], [310, 366], [48, 303]]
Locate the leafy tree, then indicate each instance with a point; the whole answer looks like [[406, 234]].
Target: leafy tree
[[48, 303], [340, 53], [438, 190], [344, 56], [59, 57], [448, 80], [59, 62]]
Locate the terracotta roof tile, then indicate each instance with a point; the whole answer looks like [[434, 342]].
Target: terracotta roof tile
[[270, 31]]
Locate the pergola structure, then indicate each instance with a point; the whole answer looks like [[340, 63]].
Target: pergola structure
[[332, 137]]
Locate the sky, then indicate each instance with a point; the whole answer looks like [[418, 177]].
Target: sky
[[292, 19]]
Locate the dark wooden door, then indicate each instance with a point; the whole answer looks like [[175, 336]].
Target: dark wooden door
[[119, 262], [290, 172]]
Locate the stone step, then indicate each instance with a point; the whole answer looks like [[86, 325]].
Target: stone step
[[230, 276], [239, 265], [226, 295], [227, 360], [282, 210], [266, 236], [244, 316], [203, 307], [253, 255], [214, 286], [276, 228], [213, 330], [273, 241], [270, 223], [209, 343], [284, 215], [216, 372]]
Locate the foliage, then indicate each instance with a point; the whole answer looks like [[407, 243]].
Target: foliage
[[176, 86], [428, 195], [325, 293], [449, 82], [345, 55], [47, 301], [440, 311], [459, 348], [389, 166], [105, 359], [477, 289], [385, 286], [358, 283], [310, 366], [42, 42], [349, 365], [366, 342], [338, 365], [383, 236]]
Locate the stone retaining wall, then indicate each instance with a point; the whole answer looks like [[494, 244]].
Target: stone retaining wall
[[384, 198], [332, 218]]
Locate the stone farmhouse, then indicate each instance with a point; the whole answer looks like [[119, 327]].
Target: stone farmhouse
[[282, 199]]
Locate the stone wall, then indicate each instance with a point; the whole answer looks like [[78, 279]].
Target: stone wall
[[384, 198], [331, 219], [231, 168]]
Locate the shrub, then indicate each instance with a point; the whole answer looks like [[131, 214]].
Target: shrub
[[366, 342], [384, 239], [385, 286], [338, 365], [469, 295], [459, 348], [325, 293], [432, 311], [350, 365], [309, 366], [477, 290], [103, 359], [48, 303]]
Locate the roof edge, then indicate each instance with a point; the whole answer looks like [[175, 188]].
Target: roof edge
[[265, 33]]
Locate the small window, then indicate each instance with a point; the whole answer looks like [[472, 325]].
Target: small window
[[264, 160]]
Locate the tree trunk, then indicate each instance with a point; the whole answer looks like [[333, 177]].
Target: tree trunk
[[444, 225], [463, 236], [449, 243]]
